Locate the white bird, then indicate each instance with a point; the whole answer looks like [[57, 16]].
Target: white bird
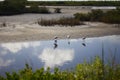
[[68, 36]]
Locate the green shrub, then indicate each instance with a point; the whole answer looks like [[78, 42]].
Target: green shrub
[[36, 9], [82, 17], [111, 16], [95, 15]]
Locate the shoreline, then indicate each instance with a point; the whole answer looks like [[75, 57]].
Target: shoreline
[[39, 39], [37, 33]]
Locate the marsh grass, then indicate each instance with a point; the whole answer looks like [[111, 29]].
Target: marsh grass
[[62, 21]]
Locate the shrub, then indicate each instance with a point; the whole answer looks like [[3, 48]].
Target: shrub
[[82, 17], [111, 16], [36, 9], [44, 10], [95, 15]]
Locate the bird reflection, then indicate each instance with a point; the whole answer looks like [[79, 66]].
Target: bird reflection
[[84, 44], [68, 37], [69, 42], [55, 42], [55, 45]]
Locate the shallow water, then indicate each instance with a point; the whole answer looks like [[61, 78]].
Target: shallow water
[[65, 54]]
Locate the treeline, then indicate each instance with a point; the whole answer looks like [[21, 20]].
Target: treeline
[[11, 7], [111, 16], [77, 3]]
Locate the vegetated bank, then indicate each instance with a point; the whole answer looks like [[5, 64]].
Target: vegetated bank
[[111, 16], [95, 70]]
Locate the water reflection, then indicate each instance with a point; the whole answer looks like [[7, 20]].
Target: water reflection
[[68, 42], [4, 63], [55, 44], [84, 44], [56, 57], [15, 47], [63, 53]]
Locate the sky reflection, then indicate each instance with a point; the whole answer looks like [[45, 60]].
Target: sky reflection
[[64, 54], [4, 63], [16, 47], [56, 57]]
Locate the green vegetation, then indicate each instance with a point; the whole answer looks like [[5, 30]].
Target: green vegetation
[[77, 3], [62, 21], [36, 9], [95, 70], [111, 16], [9, 7]]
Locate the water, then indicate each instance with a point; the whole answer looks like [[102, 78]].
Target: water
[[65, 54]]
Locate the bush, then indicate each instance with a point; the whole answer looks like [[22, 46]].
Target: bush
[[10, 7], [111, 16], [44, 10], [95, 15], [82, 17], [36, 9]]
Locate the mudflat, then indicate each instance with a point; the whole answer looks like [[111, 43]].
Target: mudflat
[[36, 32]]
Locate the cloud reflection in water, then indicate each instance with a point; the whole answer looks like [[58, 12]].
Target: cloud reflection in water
[[15, 47], [56, 57], [4, 63]]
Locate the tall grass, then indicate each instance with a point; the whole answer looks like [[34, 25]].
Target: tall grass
[[62, 21]]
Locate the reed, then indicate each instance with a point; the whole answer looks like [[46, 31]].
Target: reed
[[62, 21]]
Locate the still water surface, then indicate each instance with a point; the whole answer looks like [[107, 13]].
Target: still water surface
[[64, 54]]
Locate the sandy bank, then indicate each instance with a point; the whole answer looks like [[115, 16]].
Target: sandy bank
[[33, 32]]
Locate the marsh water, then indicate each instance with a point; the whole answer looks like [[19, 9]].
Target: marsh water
[[65, 54]]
